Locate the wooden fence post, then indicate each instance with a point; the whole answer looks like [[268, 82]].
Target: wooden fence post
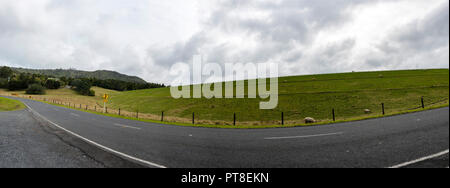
[[423, 104], [334, 116]]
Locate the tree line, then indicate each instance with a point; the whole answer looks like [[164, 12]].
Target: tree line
[[37, 83]]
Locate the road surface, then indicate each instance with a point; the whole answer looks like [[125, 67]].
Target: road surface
[[412, 140]]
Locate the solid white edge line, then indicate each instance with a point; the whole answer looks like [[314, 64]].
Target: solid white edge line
[[421, 159], [305, 136], [96, 144]]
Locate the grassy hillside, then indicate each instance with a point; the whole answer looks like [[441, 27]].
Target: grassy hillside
[[299, 97], [101, 74], [10, 105], [306, 96]]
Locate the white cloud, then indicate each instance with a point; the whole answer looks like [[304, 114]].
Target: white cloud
[[146, 37]]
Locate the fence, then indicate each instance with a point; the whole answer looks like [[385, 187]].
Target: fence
[[334, 113]]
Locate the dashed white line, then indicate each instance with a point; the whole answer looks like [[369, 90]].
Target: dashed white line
[[98, 145], [73, 114], [304, 136], [420, 160], [126, 126]]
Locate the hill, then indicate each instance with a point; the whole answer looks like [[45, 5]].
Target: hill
[[306, 96], [71, 73]]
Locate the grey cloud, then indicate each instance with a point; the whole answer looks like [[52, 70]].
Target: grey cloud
[[76, 34], [294, 57], [9, 23], [428, 33], [331, 58], [179, 52], [417, 39], [298, 22], [290, 21]]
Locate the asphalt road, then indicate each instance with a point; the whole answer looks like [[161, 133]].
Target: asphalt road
[[411, 140], [27, 142]]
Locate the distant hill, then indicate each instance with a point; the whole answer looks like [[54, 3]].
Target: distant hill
[[71, 73]]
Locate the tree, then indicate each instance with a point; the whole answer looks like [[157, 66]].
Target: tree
[[64, 80], [52, 84], [3, 83], [35, 89], [83, 87], [17, 84], [5, 72], [22, 81]]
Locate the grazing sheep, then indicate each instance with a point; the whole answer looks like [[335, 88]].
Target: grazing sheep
[[310, 120]]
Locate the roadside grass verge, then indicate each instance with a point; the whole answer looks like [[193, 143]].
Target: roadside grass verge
[[10, 105]]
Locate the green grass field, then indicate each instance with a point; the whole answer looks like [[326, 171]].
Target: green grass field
[[305, 96], [10, 105], [299, 97]]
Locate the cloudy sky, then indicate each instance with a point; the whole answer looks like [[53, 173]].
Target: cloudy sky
[[146, 37]]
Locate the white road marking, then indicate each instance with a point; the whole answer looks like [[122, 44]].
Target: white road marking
[[98, 145], [421, 159], [73, 114], [305, 136], [126, 126]]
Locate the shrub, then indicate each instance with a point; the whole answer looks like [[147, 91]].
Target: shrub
[[91, 93], [35, 89]]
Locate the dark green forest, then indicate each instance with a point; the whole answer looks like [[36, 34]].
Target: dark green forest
[[72, 73], [14, 80]]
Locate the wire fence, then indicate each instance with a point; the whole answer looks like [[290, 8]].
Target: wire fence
[[234, 117]]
